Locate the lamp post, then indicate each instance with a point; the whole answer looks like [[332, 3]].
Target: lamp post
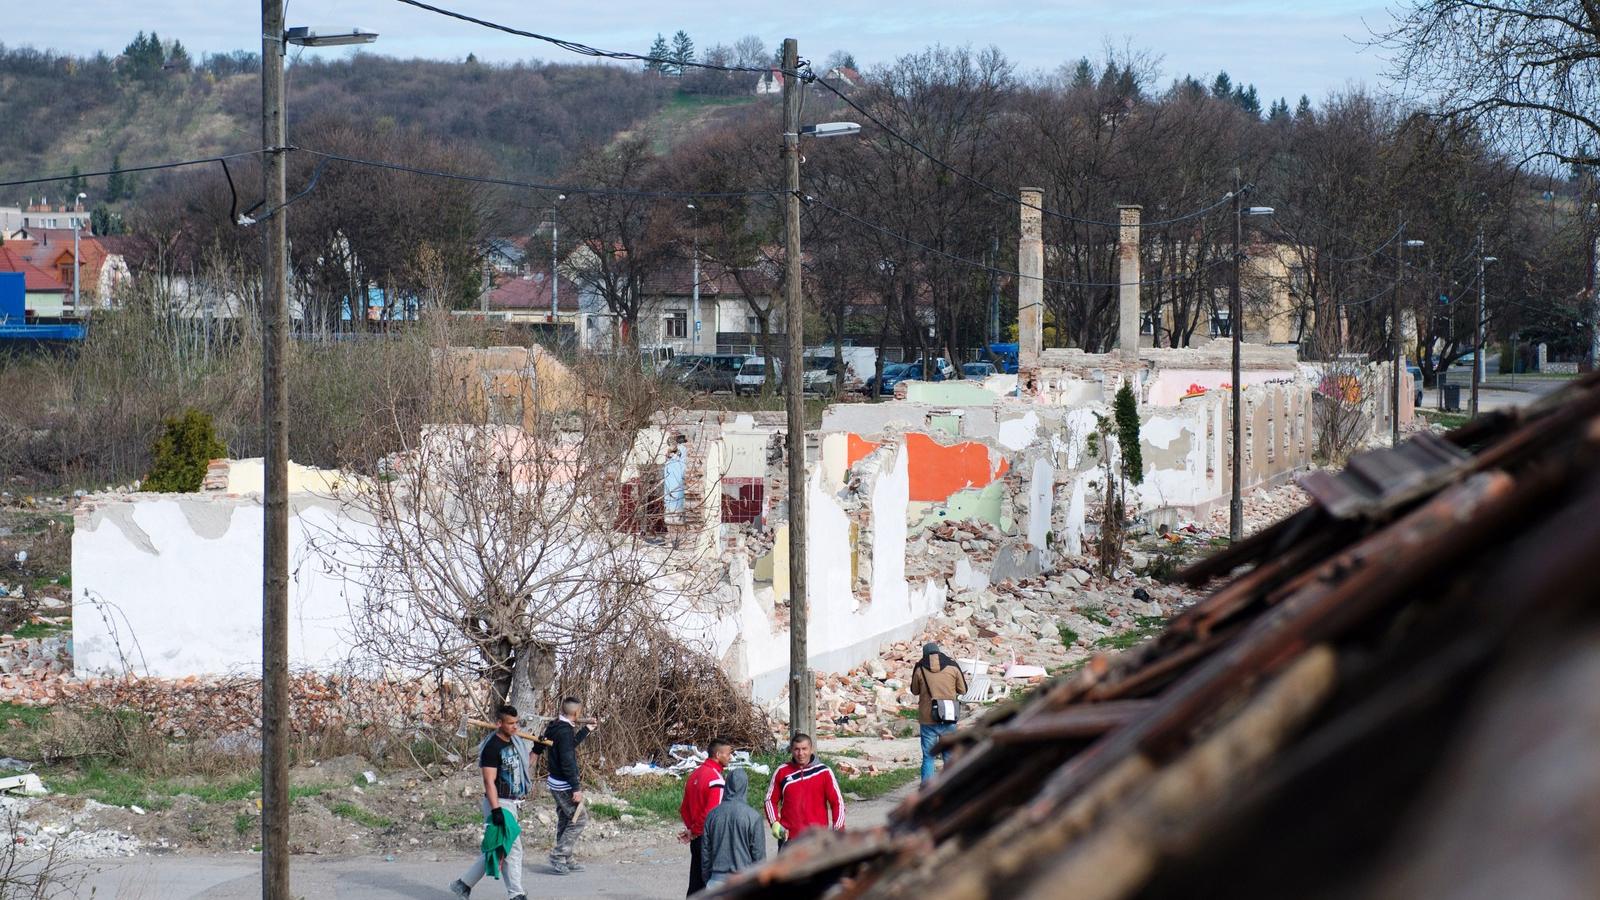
[[1394, 333], [77, 264], [694, 303], [802, 689], [1236, 332], [555, 282], [1477, 327], [275, 420]]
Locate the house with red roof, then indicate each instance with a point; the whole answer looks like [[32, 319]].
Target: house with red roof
[[44, 295]]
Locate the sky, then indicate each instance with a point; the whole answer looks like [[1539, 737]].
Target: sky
[[1285, 47]]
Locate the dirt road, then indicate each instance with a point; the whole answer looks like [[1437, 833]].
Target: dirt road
[[655, 869]]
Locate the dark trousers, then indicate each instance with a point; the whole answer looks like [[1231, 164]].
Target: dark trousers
[[697, 881]]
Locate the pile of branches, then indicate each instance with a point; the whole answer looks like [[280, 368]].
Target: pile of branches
[[653, 690]]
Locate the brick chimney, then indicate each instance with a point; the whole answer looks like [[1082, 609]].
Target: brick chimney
[[1030, 287], [1128, 278]]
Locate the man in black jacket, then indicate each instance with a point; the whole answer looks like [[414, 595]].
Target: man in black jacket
[[572, 816]]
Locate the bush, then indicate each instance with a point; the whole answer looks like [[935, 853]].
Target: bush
[[182, 453]]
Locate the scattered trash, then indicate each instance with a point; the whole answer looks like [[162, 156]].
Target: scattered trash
[[11, 763], [136, 809], [1021, 671], [642, 768], [1140, 593], [370, 777], [28, 785]]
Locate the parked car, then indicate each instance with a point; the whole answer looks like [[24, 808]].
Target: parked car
[[707, 374], [753, 373], [978, 370], [938, 371], [893, 374], [819, 377]]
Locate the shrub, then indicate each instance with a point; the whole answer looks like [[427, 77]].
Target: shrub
[[182, 452]]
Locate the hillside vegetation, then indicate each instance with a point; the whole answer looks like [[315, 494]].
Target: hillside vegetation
[[529, 119]]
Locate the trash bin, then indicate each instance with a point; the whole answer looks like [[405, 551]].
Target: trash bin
[[1452, 398]]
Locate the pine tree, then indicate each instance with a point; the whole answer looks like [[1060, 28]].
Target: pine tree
[[1247, 100], [1302, 112], [1082, 75], [74, 184], [682, 52], [178, 58], [1126, 413], [1222, 87], [116, 182], [659, 53], [1279, 113]]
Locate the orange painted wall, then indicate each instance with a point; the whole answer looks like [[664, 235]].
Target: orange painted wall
[[938, 471], [857, 448]]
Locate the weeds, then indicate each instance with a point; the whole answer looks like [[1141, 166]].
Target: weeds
[[360, 815], [1068, 636]]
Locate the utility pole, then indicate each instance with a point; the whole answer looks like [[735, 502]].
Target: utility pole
[[1394, 337], [1235, 329], [275, 421], [802, 690], [555, 283], [694, 304], [994, 290], [1477, 331]]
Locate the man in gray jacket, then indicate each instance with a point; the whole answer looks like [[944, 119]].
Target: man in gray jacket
[[735, 836]]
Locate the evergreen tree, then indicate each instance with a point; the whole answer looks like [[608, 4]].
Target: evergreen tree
[[1082, 75], [143, 56], [659, 54], [1279, 113], [1302, 112], [1190, 87], [1222, 87], [682, 52], [1126, 413], [74, 184], [1247, 100], [178, 58], [116, 182]]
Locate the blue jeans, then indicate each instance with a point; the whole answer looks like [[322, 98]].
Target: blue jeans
[[930, 735]]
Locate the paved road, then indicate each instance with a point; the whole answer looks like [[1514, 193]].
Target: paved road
[[1498, 393], [658, 871]]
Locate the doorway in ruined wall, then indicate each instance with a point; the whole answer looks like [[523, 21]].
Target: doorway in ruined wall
[[744, 501], [642, 507]]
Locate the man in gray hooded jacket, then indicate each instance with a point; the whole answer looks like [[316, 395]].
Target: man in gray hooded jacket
[[735, 836]]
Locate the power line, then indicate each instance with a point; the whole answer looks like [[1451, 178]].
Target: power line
[[985, 185], [811, 200], [124, 171], [539, 186], [585, 49]]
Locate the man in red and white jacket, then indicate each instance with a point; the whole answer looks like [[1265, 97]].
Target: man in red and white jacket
[[701, 794], [803, 795]]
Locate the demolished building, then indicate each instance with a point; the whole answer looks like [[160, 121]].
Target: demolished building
[[1387, 694]]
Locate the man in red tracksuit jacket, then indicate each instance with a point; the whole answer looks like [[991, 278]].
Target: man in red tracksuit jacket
[[803, 794], [701, 794]]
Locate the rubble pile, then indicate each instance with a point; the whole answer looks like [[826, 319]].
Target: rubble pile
[[195, 706], [32, 658], [1262, 508], [937, 551]]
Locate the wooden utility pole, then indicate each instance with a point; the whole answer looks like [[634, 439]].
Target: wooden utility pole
[[1394, 336], [802, 689], [1236, 331], [275, 422], [1477, 330]]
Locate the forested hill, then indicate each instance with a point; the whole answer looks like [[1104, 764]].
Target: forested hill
[[63, 112]]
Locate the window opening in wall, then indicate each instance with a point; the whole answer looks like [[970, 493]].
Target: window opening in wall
[[675, 324]]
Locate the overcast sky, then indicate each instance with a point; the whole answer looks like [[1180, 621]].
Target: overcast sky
[[1284, 48]]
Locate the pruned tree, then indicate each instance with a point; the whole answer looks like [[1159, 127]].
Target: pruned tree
[[519, 532]]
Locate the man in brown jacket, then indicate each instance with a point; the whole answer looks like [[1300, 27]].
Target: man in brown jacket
[[936, 678]]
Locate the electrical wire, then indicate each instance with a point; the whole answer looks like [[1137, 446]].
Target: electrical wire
[[805, 74], [129, 169], [538, 186], [888, 232], [585, 49]]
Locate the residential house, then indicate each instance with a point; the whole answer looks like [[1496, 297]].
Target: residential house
[[98, 273], [843, 77], [770, 82], [45, 296], [726, 322]]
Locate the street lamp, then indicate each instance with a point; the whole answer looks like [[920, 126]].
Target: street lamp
[[1236, 330], [694, 340], [77, 264], [802, 688], [1478, 370], [275, 420], [1394, 333], [555, 283]]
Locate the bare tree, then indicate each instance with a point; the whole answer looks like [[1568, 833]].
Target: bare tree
[[526, 530]]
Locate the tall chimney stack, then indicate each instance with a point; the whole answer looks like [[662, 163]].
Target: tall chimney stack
[[1128, 278], [1030, 287]]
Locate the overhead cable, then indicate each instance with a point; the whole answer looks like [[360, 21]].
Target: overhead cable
[[130, 169]]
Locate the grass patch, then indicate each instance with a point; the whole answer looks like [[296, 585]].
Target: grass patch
[[40, 630], [906, 712], [243, 823], [1147, 628], [1096, 616], [607, 811], [1068, 636], [22, 718], [344, 809], [449, 819], [1449, 420], [871, 787]]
